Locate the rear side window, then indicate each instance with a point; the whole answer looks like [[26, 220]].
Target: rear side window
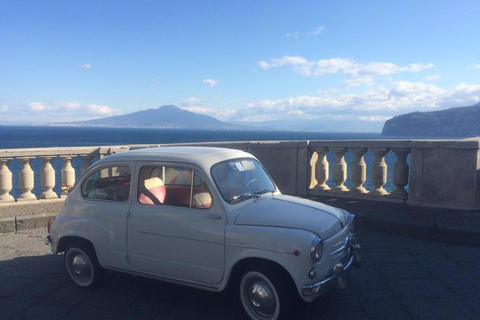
[[110, 184]]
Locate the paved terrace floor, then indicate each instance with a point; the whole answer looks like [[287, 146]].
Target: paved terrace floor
[[402, 278]]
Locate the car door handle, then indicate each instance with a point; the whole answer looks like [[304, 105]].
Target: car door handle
[[214, 216]]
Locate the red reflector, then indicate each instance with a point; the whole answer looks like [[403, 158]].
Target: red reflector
[[49, 224]]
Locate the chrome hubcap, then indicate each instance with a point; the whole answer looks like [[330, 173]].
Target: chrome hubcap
[[260, 297], [82, 270]]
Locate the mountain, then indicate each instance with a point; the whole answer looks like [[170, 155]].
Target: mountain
[[168, 116], [453, 122]]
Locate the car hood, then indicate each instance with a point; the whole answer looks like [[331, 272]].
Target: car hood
[[291, 212]]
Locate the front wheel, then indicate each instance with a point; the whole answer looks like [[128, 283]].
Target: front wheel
[[264, 295], [82, 265]]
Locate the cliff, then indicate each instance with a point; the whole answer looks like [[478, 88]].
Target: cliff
[[453, 122]]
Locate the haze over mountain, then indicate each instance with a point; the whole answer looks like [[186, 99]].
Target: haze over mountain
[[168, 116], [453, 122]]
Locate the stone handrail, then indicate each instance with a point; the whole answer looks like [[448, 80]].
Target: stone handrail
[[439, 173]]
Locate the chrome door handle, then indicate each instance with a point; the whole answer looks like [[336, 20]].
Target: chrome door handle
[[214, 216]]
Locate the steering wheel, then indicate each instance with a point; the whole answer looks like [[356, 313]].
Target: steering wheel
[[249, 186]]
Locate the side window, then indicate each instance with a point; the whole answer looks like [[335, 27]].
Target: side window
[[166, 185], [111, 184]]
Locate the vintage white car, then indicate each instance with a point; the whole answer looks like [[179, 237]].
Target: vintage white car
[[207, 218]]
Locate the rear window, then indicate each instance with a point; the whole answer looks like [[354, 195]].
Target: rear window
[[109, 184]]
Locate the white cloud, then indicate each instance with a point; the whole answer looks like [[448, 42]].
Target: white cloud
[[72, 108], [211, 82], [375, 104], [295, 34], [350, 67], [101, 110], [217, 113], [374, 118], [355, 82], [85, 66], [38, 106], [432, 78], [4, 108], [477, 66], [317, 30], [155, 80], [193, 102]]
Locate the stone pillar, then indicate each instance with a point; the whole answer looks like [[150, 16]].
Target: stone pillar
[[47, 177], [339, 169], [68, 172], [5, 181], [25, 180], [400, 173], [86, 162], [359, 171], [321, 169], [379, 171]]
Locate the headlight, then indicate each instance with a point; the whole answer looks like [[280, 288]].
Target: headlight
[[316, 249]]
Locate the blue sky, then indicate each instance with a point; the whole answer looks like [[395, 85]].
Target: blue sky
[[345, 62]]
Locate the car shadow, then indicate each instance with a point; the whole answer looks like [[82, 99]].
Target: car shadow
[[38, 287]]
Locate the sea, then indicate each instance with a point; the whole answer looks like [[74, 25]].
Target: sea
[[12, 137]]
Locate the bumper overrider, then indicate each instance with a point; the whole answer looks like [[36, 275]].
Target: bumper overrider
[[339, 272]]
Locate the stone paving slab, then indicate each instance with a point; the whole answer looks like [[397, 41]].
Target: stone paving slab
[[402, 278]]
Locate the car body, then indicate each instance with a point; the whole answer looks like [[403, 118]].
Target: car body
[[206, 218]]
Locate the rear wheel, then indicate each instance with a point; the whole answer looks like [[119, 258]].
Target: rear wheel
[[82, 265], [265, 295]]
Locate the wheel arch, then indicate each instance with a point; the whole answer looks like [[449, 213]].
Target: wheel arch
[[250, 263]]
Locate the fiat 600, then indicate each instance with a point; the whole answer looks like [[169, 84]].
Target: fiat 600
[[208, 218]]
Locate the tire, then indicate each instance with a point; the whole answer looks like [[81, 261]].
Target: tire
[[82, 265], [266, 295]]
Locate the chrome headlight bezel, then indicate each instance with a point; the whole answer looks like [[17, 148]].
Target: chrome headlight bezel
[[316, 249]]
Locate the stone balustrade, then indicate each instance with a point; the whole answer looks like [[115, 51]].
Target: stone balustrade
[[438, 173]]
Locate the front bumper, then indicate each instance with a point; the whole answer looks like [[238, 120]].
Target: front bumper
[[338, 278]]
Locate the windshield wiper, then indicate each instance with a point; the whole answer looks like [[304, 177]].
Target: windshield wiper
[[241, 196], [261, 191]]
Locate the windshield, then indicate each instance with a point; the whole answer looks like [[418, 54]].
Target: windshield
[[241, 179]]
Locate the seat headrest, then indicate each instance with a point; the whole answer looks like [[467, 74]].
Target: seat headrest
[[153, 183]]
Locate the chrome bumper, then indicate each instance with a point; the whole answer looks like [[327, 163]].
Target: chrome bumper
[[338, 279]]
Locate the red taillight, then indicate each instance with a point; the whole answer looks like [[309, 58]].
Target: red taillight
[[49, 224]]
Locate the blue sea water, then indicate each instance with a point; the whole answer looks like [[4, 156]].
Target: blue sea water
[[30, 137]]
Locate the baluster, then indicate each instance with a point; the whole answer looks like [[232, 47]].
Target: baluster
[[379, 171], [5, 181], [25, 180], [400, 173], [321, 169], [359, 171], [86, 162], [68, 172], [47, 177], [339, 169]]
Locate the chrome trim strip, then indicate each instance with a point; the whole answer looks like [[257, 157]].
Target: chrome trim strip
[[322, 286]]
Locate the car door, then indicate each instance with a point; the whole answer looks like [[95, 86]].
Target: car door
[[175, 228], [104, 200]]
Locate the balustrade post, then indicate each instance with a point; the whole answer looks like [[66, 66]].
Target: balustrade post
[[321, 169], [339, 169], [400, 173], [47, 177], [86, 162], [68, 172], [26, 180], [379, 171], [359, 171], [5, 181]]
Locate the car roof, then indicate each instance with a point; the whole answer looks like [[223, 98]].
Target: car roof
[[203, 157]]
